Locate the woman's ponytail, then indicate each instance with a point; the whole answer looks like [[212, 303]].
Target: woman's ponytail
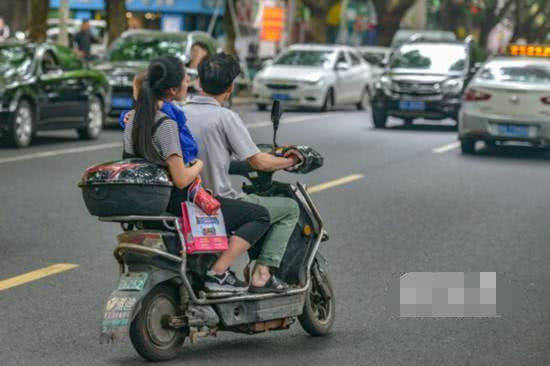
[[144, 120], [163, 73]]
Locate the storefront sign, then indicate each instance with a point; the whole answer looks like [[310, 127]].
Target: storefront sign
[[273, 24]]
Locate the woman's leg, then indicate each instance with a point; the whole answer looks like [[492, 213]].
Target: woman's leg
[[247, 222], [237, 246]]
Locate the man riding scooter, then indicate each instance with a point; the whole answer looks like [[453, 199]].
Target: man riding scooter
[[220, 133]]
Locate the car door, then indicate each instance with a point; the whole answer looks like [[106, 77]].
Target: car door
[[51, 103], [342, 69], [75, 84], [358, 76]]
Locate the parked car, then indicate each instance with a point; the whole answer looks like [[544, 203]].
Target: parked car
[[47, 87], [98, 28], [131, 53], [318, 76], [404, 35], [423, 80], [507, 100]]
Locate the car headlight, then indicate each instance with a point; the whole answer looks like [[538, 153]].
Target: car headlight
[[384, 82], [260, 80], [313, 82], [452, 86]]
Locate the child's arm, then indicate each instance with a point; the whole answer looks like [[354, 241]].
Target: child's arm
[[122, 119]]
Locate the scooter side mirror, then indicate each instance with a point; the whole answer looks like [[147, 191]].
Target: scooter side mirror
[[276, 113]]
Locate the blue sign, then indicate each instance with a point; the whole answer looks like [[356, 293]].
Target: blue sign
[[163, 6]]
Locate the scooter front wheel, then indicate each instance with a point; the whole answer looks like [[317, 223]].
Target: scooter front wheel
[[148, 332], [319, 310]]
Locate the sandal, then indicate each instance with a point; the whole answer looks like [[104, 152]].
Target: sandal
[[272, 285]]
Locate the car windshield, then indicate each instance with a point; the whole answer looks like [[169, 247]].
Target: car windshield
[[526, 74], [430, 58], [403, 35], [145, 49], [306, 58], [15, 60]]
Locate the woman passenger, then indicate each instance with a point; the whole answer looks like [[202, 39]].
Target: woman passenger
[[154, 136]]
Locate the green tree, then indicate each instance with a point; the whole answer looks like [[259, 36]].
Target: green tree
[[38, 21], [390, 13], [531, 19], [490, 13], [116, 18]]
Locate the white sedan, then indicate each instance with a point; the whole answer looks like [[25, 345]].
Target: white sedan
[[507, 100], [318, 76]]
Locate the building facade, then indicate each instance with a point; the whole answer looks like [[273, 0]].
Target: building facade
[[168, 15]]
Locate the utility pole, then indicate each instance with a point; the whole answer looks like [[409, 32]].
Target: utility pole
[[291, 15], [63, 37]]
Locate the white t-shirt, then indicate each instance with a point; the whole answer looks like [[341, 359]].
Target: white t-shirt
[[220, 134]]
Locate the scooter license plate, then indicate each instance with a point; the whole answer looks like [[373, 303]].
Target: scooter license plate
[[133, 281]]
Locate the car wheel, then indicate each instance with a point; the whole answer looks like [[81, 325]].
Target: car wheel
[[21, 129], [490, 143], [364, 102], [261, 107], [468, 146], [94, 120], [379, 118], [329, 101]]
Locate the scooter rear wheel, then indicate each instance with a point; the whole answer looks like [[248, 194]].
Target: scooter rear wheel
[[319, 310], [149, 336]]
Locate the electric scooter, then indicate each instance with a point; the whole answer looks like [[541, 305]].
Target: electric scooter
[[160, 300]]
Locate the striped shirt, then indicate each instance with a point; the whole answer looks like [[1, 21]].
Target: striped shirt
[[165, 140]]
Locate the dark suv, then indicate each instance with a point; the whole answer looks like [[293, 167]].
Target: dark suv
[[423, 79]]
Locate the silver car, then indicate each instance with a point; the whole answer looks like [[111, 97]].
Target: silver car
[[508, 100], [318, 76]]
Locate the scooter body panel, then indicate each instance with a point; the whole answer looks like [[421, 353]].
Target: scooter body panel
[[249, 312], [124, 303]]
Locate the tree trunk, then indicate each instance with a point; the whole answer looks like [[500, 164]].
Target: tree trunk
[[484, 31], [229, 29], [116, 18], [448, 18], [389, 18], [387, 26], [38, 22], [318, 29]]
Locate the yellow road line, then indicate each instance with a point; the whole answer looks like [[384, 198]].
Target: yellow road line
[[35, 275], [335, 183]]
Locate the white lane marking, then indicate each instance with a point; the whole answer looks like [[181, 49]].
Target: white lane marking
[[112, 145], [289, 120], [445, 148], [47, 154]]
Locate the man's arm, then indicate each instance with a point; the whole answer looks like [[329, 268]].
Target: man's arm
[[245, 149], [269, 163]]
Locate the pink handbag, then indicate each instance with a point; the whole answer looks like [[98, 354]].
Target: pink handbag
[[203, 233]]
